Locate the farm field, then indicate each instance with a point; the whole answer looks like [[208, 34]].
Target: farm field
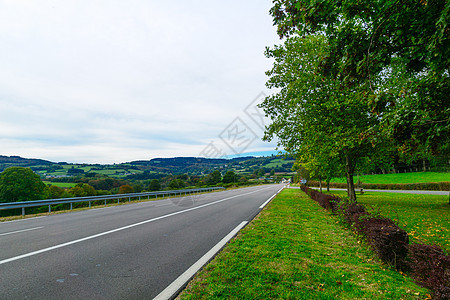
[[61, 184], [414, 177], [296, 250]]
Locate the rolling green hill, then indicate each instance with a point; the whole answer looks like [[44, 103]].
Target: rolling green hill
[[144, 168]]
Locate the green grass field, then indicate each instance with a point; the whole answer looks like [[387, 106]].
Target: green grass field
[[296, 250], [278, 163], [61, 184], [416, 177], [426, 218]]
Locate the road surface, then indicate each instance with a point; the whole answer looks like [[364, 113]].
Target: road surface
[[121, 252]]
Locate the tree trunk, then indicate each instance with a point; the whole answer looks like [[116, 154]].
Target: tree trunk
[[328, 186], [320, 183], [349, 169]]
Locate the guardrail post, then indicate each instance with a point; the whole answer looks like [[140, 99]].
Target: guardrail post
[[49, 208], [89, 204], [23, 211], [118, 200], [105, 202], [71, 205]]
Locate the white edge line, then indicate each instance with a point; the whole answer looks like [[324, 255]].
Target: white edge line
[[18, 231], [182, 280], [117, 229], [265, 203]]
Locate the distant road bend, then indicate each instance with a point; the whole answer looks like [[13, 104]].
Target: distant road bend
[[136, 251]]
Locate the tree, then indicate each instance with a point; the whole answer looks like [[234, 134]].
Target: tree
[[229, 177], [214, 178], [176, 184], [82, 190], [154, 185], [318, 118], [404, 44], [20, 184], [54, 192], [137, 188], [126, 189]]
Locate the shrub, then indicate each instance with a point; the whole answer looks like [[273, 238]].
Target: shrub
[[427, 264], [387, 240], [351, 211], [430, 267], [324, 200]]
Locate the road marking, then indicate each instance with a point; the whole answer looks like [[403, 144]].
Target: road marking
[[265, 203], [119, 229], [12, 232], [182, 280]]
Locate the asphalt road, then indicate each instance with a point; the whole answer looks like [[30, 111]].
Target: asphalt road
[[122, 252]]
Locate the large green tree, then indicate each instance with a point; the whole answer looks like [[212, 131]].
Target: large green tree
[[20, 184], [154, 185], [317, 117], [214, 178], [404, 44], [229, 177]]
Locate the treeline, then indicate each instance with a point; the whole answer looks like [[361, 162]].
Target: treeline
[[22, 184]]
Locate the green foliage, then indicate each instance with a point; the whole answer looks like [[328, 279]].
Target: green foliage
[[229, 177], [54, 192], [154, 185], [82, 190], [398, 50], [137, 188], [325, 122], [176, 184], [214, 178], [106, 183], [20, 184]]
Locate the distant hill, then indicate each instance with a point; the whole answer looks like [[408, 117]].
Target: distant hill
[[175, 165], [187, 164], [17, 161]]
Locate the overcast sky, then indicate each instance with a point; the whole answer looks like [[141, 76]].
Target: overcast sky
[[114, 81]]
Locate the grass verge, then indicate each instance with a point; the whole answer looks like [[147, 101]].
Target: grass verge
[[296, 250], [426, 218]]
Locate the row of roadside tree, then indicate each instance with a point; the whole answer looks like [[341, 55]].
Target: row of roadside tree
[[359, 84]]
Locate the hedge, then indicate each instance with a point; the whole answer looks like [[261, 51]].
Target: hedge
[[427, 265]]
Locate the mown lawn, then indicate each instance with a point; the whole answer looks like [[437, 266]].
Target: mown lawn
[[426, 218], [296, 250], [415, 177]]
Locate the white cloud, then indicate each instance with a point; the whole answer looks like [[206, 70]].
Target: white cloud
[[112, 81]]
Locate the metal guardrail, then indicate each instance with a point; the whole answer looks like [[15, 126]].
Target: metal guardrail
[[50, 202]]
